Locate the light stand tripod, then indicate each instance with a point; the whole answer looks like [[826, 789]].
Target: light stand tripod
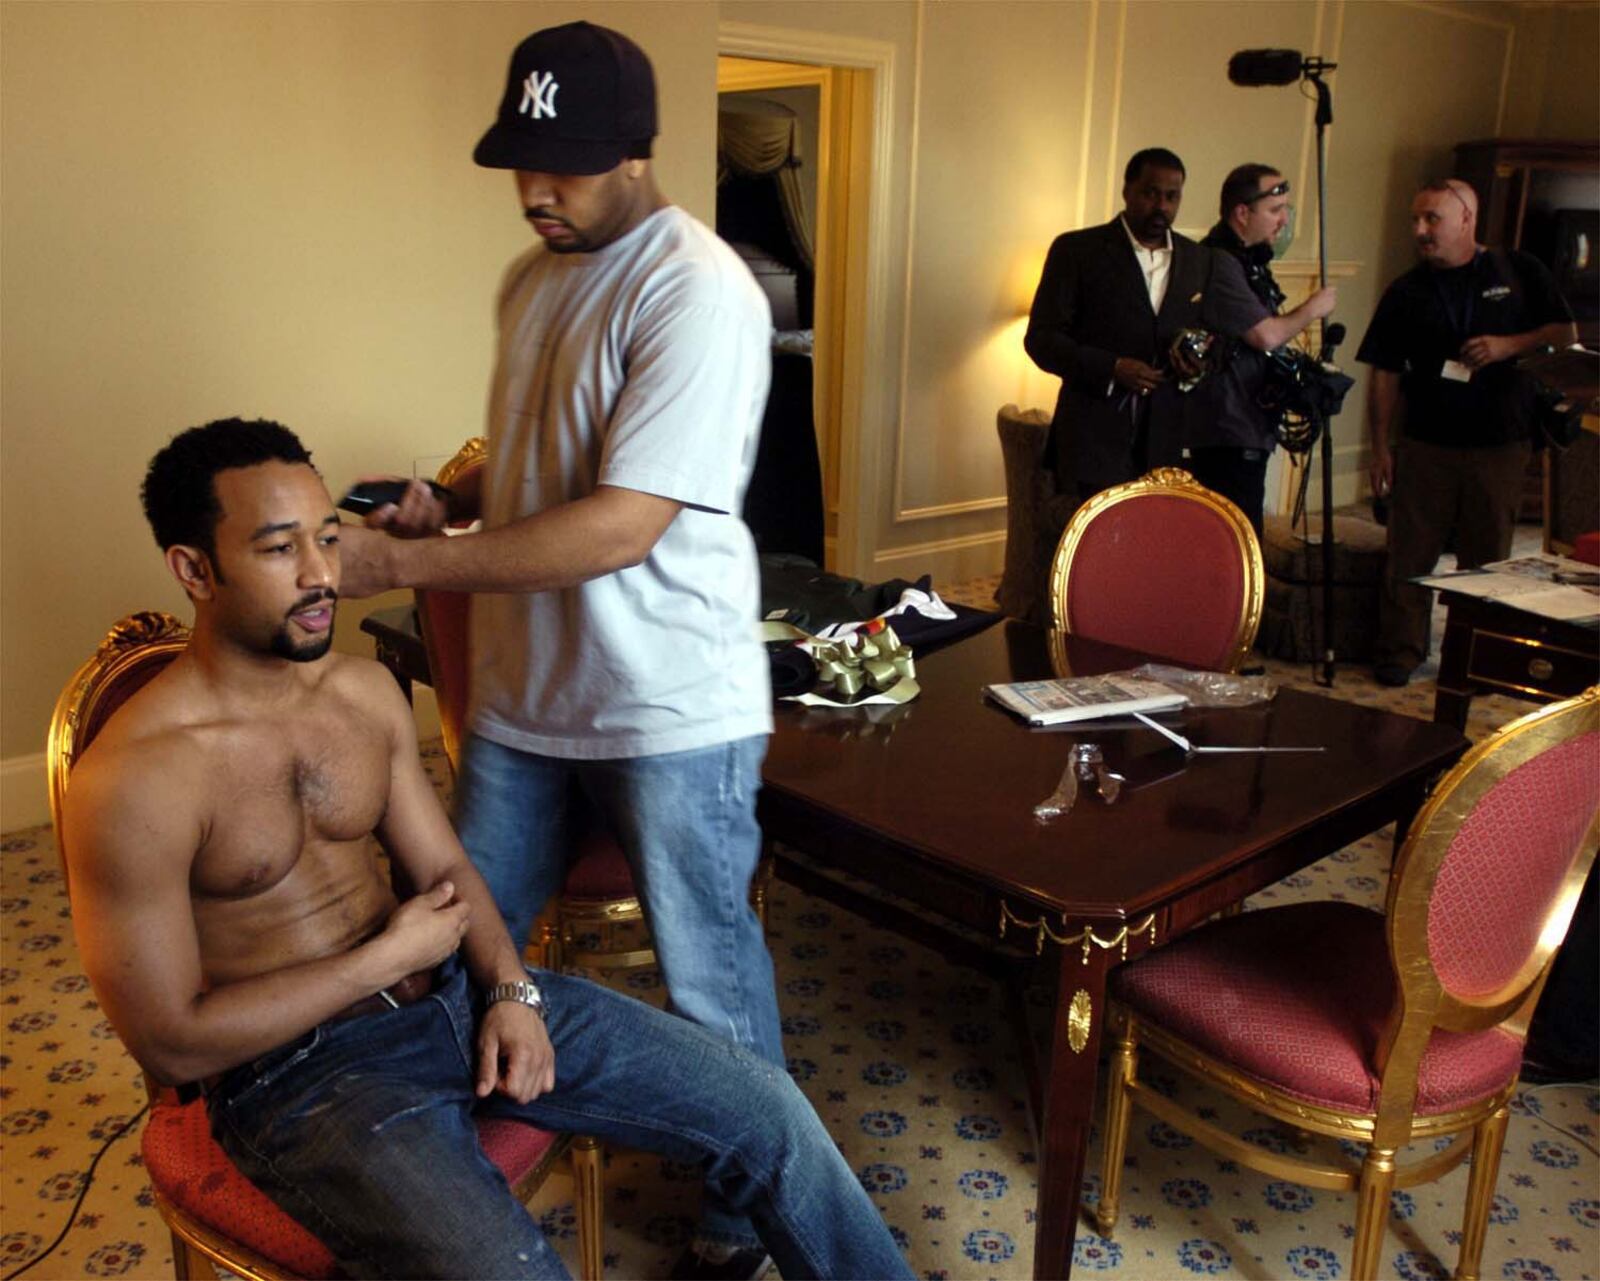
[[1314, 67], [1284, 67]]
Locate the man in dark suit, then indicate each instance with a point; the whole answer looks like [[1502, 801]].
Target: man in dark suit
[[1109, 304]]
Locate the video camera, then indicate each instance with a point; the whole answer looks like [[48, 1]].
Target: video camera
[[1301, 394]]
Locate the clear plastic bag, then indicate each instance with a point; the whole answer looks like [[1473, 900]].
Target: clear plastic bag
[[1210, 689]]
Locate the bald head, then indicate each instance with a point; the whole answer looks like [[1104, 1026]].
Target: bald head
[[1444, 221]]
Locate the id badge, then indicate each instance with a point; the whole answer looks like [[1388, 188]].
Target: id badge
[[1456, 372]]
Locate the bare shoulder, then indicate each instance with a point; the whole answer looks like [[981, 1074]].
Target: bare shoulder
[[144, 773], [365, 679], [369, 689]]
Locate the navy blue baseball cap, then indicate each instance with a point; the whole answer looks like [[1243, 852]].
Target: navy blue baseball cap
[[579, 99]]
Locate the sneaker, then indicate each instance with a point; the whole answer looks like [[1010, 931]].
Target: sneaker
[[702, 1261], [1392, 674]]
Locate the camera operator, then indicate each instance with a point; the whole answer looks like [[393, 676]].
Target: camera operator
[[1444, 340], [1229, 436]]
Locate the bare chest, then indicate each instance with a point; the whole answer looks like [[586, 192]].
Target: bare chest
[[281, 789]]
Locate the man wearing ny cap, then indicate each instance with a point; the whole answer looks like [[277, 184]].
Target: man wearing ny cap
[[616, 656]]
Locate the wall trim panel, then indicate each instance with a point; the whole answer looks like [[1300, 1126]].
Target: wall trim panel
[[24, 794]]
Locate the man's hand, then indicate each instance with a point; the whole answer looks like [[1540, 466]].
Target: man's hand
[[1321, 303], [367, 562], [423, 931], [417, 514], [1486, 349], [1137, 376], [1382, 471], [514, 1053]]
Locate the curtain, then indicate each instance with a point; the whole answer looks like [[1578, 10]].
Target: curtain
[[759, 139]]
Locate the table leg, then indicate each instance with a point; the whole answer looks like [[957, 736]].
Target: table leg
[[1453, 694], [392, 659], [1069, 1101]]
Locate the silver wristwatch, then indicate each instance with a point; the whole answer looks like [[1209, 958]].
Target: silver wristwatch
[[524, 990]]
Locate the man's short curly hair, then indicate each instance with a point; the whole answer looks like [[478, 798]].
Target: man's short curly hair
[[1157, 157], [179, 491]]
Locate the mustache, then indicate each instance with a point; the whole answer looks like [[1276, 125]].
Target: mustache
[[540, 214], [313, 599]]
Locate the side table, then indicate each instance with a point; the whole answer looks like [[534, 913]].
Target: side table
[[1496, 648]]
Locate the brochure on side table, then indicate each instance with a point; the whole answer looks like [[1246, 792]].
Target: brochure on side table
[[1550, 586]]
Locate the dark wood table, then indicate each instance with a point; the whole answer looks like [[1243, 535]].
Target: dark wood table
[[935, 805], [397, 641], [1494, 647]]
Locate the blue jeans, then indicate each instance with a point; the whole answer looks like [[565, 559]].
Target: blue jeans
[[362, 1130], [686, 823]]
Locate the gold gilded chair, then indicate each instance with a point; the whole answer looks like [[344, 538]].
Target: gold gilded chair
[[1392, 1029], [215, 1215], [1164, 566], [598, 913]]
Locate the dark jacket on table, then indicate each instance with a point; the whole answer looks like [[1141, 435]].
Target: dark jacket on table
[[1091, 308]]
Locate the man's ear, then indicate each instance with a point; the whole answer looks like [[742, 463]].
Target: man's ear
[[634, 167], [192, 568]]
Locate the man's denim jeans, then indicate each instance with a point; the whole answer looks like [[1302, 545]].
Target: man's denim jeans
[[686, 822], [362, 1130]]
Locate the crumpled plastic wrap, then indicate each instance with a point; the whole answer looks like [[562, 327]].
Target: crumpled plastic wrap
[[1210, 689]]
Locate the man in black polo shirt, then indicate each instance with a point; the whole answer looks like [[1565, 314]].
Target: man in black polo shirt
[[1228, 435], [1444, 339]]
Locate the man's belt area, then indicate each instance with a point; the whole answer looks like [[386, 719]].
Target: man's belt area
[[407, 991]]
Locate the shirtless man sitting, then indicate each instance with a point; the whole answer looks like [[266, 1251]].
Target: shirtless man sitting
[[238, 930]]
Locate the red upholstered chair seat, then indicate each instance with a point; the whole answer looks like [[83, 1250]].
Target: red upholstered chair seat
[[1308, 1022], [188, 1168], [598, 869]]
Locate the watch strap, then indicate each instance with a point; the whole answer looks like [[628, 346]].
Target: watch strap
[[523, 991]]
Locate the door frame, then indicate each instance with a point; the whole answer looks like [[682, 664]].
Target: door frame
[[856, 384]]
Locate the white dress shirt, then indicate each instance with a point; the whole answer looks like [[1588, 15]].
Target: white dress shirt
[[1155, 264]]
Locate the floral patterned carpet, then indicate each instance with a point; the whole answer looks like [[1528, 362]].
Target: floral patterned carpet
[[907, 1058]]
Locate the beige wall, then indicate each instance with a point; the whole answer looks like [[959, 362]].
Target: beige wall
[[1012, 122], [268, 208], [258, 209]]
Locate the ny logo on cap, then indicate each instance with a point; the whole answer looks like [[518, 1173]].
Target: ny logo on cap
[[539, 95]]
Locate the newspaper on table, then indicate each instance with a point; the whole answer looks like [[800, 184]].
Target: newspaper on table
[[1082, 698], [1550, 586]]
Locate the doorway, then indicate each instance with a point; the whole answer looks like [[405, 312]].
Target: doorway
[[831, 105]]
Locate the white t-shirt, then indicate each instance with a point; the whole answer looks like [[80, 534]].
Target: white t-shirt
[[643, 365]]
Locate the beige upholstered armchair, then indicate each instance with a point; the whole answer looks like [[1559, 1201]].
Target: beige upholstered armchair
[[1035, 515]]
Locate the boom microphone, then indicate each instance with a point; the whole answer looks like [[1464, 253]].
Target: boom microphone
[[1332, 336], [1265, 67]]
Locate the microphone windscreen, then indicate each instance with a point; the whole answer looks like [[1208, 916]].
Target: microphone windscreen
[[1333, 335], [1265, 67]]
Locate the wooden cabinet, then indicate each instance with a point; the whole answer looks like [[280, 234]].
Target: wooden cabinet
[[1522, 182], [1527, 189]]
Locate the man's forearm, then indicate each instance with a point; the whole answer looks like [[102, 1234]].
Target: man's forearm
[[491, 954], [1274, 331], [1383, 395], [1559, 334], [239, 1021], [565, 545]]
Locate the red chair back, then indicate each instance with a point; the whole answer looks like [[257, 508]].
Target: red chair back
[[1161, 565], [445, 620], [1486, 884]]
